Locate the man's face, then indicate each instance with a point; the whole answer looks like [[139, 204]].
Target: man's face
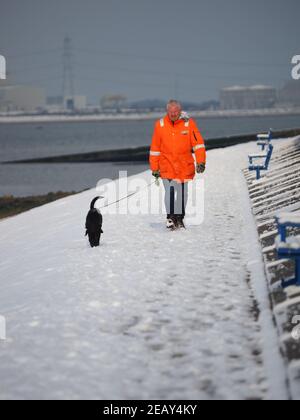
[[174, 112]]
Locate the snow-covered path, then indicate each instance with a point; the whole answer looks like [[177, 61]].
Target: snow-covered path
[[149, 314]]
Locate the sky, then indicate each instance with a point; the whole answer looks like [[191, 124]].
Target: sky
[[162, 49]]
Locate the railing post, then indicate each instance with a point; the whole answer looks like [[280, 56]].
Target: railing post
[[282, 232]]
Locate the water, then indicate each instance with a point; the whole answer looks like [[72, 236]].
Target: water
[[24, 141]]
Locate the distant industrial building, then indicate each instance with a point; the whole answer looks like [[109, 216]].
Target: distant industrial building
[[75, 103], [69, 103], [22, 99], [253, 97], [112, 102], [54, 101], [289, 95]]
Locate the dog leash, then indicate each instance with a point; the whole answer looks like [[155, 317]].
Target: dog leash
[[128, 196]]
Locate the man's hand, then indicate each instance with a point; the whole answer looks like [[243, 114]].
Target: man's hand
[[200, 168], [156, 174]]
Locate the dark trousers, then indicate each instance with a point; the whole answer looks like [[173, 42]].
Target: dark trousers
[[176, 197]]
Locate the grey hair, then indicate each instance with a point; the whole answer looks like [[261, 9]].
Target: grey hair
[[173, 102]]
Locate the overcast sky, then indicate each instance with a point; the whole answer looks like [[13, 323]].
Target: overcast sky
[[151, 49]]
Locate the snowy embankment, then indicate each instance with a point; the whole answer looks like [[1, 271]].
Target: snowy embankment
[[149, 314], [276, 193]]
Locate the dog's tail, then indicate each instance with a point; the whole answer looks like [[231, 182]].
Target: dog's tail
[[94, 201]]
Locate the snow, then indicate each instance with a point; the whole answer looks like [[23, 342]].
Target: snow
[[287, 218], [274, 192], [150, 314], [268, 210], [293, 243], [258, 156], [287, 303], [268, 249], [276, 263], [289, 208], [281, 174], [282, 198], [268, 234]]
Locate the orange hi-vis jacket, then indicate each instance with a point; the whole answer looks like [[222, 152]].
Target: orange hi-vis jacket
[[172, 147]]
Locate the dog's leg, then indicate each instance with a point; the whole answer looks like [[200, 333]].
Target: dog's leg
[[91, 239], [98, 236]]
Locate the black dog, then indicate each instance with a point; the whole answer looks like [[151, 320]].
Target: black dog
[[93, 224]]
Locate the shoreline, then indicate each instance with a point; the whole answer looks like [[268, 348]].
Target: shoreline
[[12, 206], [65, 118]]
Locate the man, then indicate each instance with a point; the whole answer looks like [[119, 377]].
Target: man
[[175, 137]]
